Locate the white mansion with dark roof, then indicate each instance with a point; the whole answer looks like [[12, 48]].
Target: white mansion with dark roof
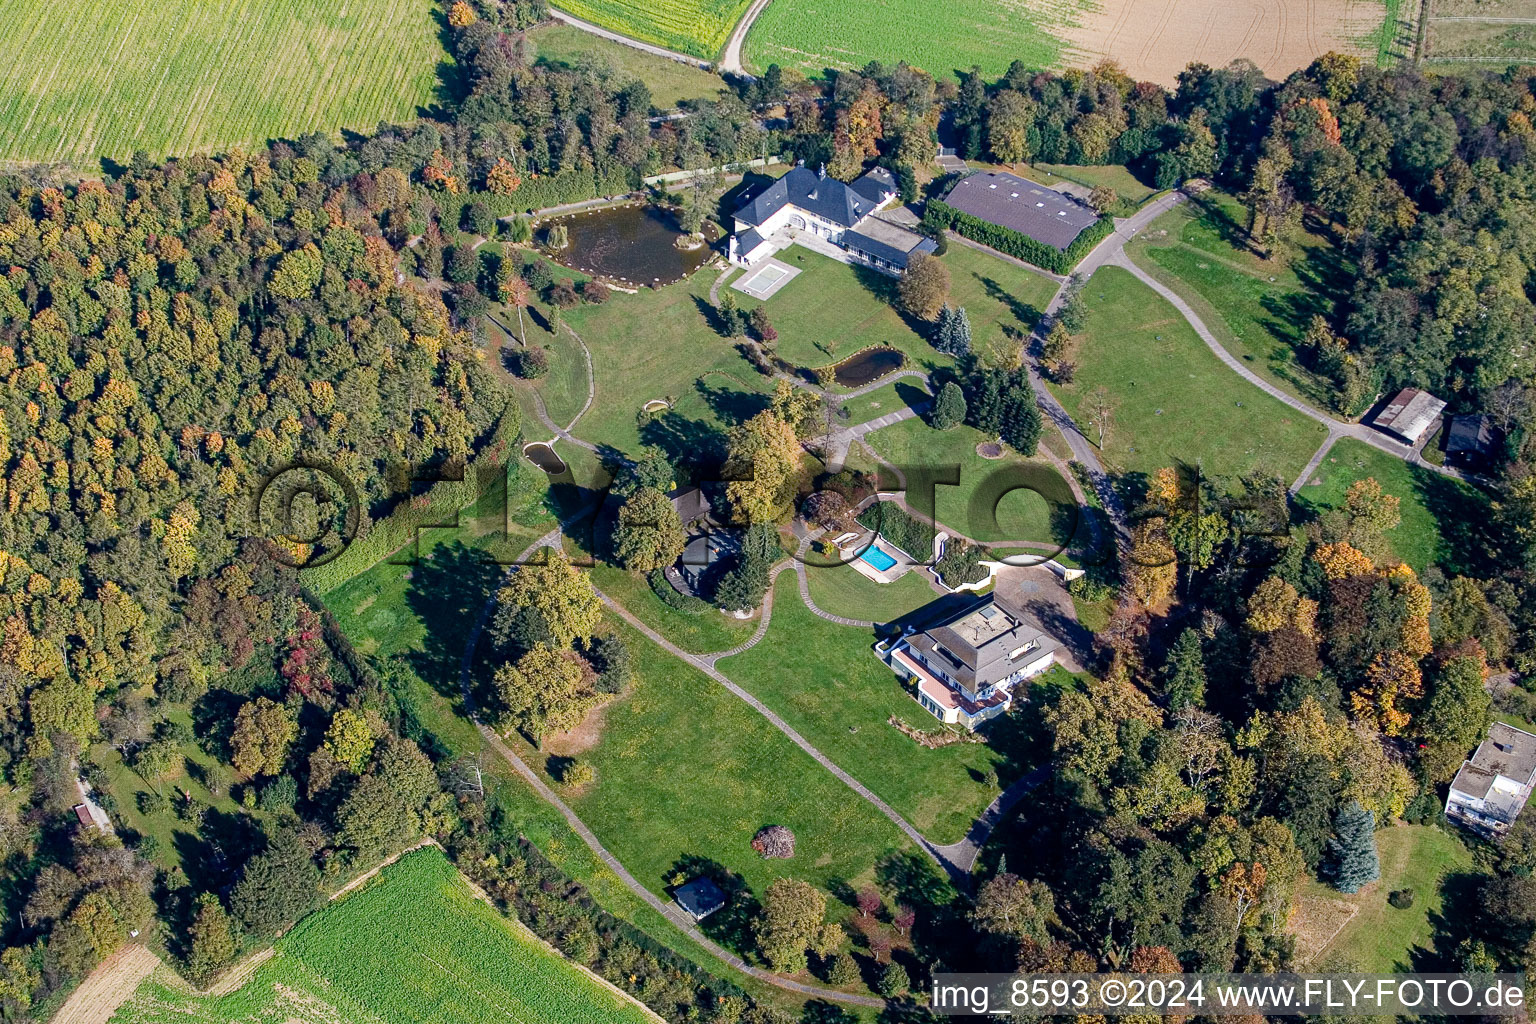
[[963, 669], [808, 203]]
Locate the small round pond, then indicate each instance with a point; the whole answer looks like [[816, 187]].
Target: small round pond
[[867, 366], [634, 244], [543, 456]]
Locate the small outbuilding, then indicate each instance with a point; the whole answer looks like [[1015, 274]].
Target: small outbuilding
[[1470, 441], [1408, 415], [699, 898]]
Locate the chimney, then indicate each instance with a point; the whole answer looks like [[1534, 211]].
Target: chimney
[[822, 173]]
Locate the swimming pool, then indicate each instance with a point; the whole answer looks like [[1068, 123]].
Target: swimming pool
[[877, 557]]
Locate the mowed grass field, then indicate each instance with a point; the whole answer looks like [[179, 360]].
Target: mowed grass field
[[699, 27], [1371, 934], [80, 82], [670, 82], [415, 944], [1174, 401], [813, 35], [1440, 516]]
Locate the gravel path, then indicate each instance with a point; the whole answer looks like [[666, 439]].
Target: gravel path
[[660, 51], [730, 60]]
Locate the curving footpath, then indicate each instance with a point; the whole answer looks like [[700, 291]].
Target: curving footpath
[[730, 60], [666, 909], [623, 40]]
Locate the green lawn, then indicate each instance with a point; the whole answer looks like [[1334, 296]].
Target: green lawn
[[843, 590], [82, 82], [1174, 401], [971, 505], [658, 344], [1131, 189], [1259, 309], [415, 944], [811, 37], [703, 633], [1380, 937], [670, 81], [1440, 516], [825, 681], [888, 399], [686, 769]]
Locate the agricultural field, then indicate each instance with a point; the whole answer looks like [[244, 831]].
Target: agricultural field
[[79, 83], [1173, 402], [1440, 516], [1258, 308], [1458, 41], [670, 81], [814, 35], [1151, 41], [699, 27], [415, 944]]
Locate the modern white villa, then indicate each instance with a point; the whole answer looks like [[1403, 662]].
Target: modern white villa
[[807, 206], [965, 668], [1495, 782]]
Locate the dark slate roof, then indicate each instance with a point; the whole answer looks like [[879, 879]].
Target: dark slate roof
[[975, 646], [1047, 216], [691, 503], [811, 192], [890, 242], [748, 240], [876, 184], [699, 898], [1469, 434]]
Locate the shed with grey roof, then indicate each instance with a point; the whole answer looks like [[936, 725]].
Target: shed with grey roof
[[1408, 415], [1007, 200]]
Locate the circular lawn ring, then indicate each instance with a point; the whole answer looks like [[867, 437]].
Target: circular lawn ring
[[989, 450], [543, 456], [656, 405]]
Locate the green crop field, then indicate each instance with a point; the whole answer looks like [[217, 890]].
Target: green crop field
[[78, 83], [413, 945], [813, 35], [699, 27]]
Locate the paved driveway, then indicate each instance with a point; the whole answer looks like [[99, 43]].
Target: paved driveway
[[1042, 595]]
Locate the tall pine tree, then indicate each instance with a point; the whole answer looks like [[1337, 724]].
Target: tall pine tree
[[1352, 859]]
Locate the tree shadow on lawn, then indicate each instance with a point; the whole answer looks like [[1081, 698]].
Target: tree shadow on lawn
[[910, 394], [1026, 314], [1457, 920], [447, 591], [1230, 231], [731, 925], [690, 444], [731, 405], [1467, 544], [212, 856]]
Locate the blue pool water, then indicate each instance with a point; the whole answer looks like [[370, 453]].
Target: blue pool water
[[877, 557]]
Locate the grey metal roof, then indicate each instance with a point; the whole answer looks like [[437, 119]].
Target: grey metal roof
[[812, 192], [890, 242], [1409, 414], [700, 898], [1009, 201], [977, 645], [691, 503]]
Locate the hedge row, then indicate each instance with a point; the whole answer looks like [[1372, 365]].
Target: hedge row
[[892, 522], [1015, 243]]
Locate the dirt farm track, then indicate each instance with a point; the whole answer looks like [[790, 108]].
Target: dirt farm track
[[1155, 39]]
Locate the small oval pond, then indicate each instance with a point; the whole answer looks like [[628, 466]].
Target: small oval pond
[[867, 366], [633, 244], [543, 456]]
